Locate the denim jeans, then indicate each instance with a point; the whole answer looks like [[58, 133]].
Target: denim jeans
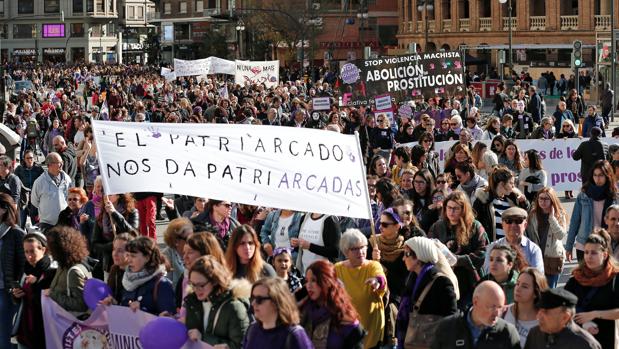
[[552, 280], [7, 311]]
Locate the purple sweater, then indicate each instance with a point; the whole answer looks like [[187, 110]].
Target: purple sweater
[[278, 337]]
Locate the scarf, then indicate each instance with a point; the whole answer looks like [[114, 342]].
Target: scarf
[[422, 273], [597, 193], [133, 280], [222, 227], [470, 187], [98, 201], [390, 249], [589, 278]]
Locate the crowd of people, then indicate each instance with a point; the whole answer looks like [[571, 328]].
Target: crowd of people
[[465, 255]]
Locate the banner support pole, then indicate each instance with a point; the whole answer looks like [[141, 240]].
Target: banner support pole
[[367, 197]]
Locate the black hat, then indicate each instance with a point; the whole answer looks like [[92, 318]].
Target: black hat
[[556, 297]]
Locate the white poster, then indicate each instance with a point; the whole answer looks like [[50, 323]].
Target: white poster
[[563, 172], [383, 102], [266, 72], [222, 66], [297, 168], [191, 68], [168, 74], [321, 103]]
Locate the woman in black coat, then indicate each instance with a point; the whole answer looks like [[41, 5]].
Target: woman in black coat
[[426, 265]]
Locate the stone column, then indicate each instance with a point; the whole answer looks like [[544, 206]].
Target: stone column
[[585, 15], [553, 15]]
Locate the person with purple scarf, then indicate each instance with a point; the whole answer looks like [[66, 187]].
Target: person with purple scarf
[[327, 314], [426, 264], [216, 217]]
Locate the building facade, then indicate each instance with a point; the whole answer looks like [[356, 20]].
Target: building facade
[[54, 31], [183, 25], [133, 23], [543, 31]]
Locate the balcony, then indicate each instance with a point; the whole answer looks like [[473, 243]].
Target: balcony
[[506, 23], [602, 22], [152, 15], [431, 26], [409, 27], [485, 24], [446, 25], [420, 27], [537, 23], [212, 11], [465, 24], [569, 22]]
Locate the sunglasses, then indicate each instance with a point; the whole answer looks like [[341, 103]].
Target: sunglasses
[[386, 224], [259, 299], [441, 182], [517, 220], [198, 286], [226, 205], [453, 124], [73, 199]]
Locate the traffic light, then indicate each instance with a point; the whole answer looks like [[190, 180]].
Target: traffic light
[[577, 54]]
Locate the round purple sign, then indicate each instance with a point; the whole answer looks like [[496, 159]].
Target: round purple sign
[[350, 73]]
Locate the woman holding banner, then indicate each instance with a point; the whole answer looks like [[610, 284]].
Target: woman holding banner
[[117, 216], [217, 307]]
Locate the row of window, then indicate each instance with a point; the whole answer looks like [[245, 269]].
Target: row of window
[[53, 6], [199, 6], [56, 30]]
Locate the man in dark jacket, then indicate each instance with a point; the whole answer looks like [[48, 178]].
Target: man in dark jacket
[[28, 172], [588, 152], [67, 153], [556, 328], [606, 101], [481, 326], [535, 105]]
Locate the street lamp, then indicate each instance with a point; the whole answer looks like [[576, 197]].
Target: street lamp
[[240, 27], [363, 16], [509, 10], [425, 5]]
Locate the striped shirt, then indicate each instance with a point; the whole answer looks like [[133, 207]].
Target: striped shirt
[[499, 206]]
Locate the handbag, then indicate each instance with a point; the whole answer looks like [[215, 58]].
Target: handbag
[[553, 265], [421, 328]]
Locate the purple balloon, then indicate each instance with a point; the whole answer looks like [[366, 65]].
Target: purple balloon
[[163, 333], [95, 290]]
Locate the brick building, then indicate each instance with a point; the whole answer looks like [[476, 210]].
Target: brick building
[[551, 24]]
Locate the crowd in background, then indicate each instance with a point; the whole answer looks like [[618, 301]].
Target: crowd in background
[[470, 249]]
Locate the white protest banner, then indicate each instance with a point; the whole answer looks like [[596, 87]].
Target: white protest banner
[[222, 66], [562, 171], [321, 103], [191, 68], [383, 102], [168, 74], [265, 72], [125, 326], [300, 169], [65, 331]]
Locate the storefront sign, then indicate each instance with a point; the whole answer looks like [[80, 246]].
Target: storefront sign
[[54, 51], [24, 52]]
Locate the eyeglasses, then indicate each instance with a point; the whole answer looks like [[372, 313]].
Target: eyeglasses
[[453, 208], [543, 198], [441, 182], [515, 220], [407, 213], [358, 248], [380, 120], [73, 199], [437, 198], [372, 186], [259, 299], [386, 224], [426, 141], [566, 126], [226, 205], [453, 124]]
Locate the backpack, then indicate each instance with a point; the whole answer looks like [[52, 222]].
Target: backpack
[[32, 128], [24, 192]]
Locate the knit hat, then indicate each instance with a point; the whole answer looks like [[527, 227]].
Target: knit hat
[[424, 248]]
